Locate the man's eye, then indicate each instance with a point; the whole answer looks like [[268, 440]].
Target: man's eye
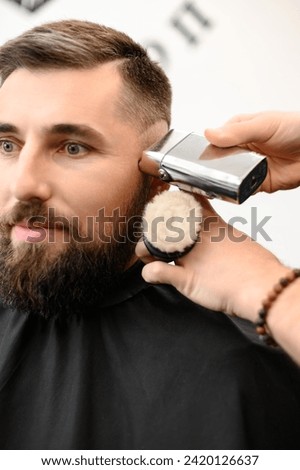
[[74, 149], [7, 146]]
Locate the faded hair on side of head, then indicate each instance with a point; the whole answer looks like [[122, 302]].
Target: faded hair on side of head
[[74, 44]]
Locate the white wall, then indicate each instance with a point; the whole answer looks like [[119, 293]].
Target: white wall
[[248, 60]]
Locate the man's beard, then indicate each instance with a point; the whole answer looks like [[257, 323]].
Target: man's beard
[[73, 280]]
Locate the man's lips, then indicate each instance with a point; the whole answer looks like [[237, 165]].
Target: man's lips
[[31, 233], [24, 233]]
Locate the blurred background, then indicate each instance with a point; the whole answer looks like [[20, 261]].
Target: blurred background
[[223, 57]]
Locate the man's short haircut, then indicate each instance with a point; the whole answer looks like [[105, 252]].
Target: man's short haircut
[[73, 44]]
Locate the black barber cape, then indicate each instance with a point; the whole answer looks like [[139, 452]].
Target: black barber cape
[[148, 369]]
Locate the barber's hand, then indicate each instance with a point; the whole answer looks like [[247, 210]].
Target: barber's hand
[[225, 271], [274, 134]]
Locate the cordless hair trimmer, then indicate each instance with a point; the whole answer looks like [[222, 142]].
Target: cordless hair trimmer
[[190, 162]]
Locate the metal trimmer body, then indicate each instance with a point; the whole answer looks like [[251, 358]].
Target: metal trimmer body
[[190, 162]]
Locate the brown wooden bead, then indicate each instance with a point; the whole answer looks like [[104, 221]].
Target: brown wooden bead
[[260, 330], [278, 288], [262, 313], [272, 296], [267, 304], [284, 282]]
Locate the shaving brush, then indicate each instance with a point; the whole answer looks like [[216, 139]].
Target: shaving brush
[[171, 224]]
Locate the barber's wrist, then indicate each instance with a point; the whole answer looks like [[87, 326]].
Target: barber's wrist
[[259, 283]]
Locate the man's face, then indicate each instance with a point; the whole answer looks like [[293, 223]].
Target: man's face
[[68, 158]]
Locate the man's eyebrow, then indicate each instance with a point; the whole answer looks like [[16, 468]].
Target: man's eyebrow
[[5, 127], [80, 130]]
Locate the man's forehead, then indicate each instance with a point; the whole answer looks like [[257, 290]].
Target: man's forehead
[[102, 78], [61, 95]]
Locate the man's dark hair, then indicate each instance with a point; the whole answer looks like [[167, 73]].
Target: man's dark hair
[[146, 97]]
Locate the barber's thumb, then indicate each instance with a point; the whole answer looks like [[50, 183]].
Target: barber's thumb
[[159, 272], [222, 136], [238, 131]]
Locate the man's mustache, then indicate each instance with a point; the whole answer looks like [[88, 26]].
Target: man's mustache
[[34, 214]]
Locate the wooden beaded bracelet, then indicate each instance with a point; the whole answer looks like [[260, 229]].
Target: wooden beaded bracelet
[[261, 323]]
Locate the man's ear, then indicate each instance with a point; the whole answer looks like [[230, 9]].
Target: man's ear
[[157, 187]]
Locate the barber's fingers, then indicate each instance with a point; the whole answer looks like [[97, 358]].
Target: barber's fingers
[[242, 129], [159, 272], [142, 252]]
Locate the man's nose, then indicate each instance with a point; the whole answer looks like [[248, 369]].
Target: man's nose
[[31, 179]]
